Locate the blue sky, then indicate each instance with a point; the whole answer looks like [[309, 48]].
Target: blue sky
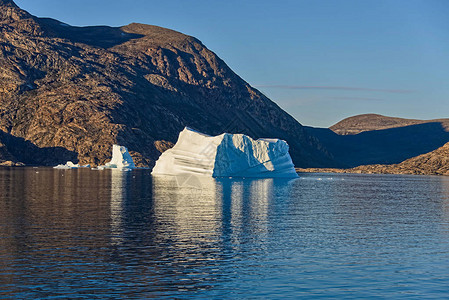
[[321, 61]]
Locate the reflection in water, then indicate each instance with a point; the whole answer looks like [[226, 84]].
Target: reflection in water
[[444, 191], [188, 220], [261, 194], [118, 194], [83, 233], [234, 192], [199, 231], [249, 201], [45, 224], [191, 221]]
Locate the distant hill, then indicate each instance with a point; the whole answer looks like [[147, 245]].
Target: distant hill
[[369, 122], [70, 93], [432, 163], [381, 140]]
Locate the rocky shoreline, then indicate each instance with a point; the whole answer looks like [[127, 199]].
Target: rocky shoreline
[[8, 163], [370, 169]]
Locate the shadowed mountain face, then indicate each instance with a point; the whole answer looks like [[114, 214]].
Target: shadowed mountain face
[[20, 150], [433, 163], [82, 89], [392, 145]]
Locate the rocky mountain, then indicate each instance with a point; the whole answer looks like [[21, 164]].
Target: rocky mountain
[[432, 163], [69, 93], [370, 122], [381, 140]]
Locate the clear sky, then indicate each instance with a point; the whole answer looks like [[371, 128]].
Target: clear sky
[[321, 61]]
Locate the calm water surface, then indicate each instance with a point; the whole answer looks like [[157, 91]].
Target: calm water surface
[[89, 234]]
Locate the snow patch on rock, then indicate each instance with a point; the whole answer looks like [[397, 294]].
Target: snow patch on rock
[[226, 155]]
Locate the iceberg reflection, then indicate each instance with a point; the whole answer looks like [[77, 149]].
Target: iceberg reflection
[[246, 203], [187, 208], [118, 195], [209, 210]]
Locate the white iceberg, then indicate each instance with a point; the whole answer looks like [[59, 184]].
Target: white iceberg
[[121, 160], [226, 155], [70, 165]]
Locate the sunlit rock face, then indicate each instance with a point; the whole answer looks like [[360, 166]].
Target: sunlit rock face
[[226, 155]]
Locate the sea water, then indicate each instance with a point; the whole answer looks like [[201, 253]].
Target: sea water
[[111, 234]]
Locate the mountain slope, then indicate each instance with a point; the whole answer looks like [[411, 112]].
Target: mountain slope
[[82, 89], [433, 163]]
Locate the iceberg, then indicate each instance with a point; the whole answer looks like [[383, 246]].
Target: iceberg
[[121, 160], [226, 155], [70, 165]]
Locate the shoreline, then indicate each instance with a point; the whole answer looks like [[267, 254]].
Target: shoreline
[[374, 169], [368, 170]]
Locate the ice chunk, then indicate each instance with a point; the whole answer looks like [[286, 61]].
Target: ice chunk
[[226, 155], [69, 165], [121, 160]]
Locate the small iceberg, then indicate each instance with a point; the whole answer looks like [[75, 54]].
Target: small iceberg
[[226, 155], [121, 160], [70, 165]]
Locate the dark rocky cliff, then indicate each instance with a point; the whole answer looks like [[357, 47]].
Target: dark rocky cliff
[[71, 92]]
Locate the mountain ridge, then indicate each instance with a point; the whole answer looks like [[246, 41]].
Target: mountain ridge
[[370, 122]]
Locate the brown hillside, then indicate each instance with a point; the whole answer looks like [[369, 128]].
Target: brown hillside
[[69, 93]]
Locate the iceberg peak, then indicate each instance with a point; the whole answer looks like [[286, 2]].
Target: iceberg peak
[[121, 159]]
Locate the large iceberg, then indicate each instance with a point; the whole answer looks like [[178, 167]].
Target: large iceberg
[[226, 155]]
